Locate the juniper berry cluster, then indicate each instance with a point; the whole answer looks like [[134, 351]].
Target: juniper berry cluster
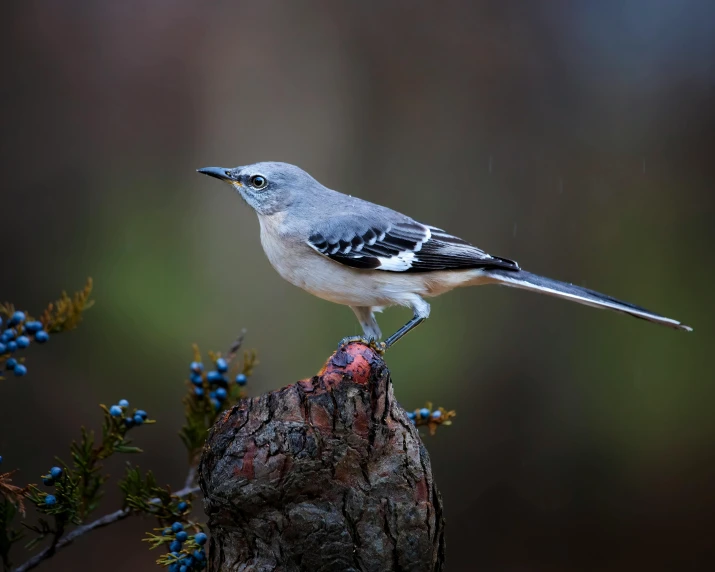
[[16, 335], [188, 553], [431, 418], [137, 418], [54, 475], [216, 381], [424, 414]]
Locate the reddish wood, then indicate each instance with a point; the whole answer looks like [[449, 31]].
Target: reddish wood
[[325, 474]]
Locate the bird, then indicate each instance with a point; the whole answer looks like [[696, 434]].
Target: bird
[[369, 257]]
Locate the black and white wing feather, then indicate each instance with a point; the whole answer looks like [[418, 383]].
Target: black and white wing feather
[[398, 246]]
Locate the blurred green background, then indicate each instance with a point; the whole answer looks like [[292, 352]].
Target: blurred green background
[[574, 137]]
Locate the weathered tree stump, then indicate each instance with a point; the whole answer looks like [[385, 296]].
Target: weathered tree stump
[[325, 474]]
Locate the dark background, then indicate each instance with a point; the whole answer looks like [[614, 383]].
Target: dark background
[[574, 137]]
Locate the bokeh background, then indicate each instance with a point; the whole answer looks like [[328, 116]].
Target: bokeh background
[[574, 137]]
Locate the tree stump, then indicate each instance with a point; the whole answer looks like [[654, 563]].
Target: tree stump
[[325, 474]]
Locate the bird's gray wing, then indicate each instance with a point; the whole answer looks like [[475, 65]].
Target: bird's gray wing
[[400, 245]]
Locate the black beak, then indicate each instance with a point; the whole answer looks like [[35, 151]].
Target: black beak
[[217, 172]]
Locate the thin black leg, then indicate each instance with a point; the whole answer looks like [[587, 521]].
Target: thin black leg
[[411, 325]]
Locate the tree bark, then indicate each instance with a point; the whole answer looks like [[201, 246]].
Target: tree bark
[[327, 474]]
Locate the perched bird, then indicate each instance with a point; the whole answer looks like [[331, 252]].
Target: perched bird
[[366, 256]]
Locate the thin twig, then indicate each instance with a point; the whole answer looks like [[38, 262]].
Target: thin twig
[[235, 346], [107, 519], [190, 477]]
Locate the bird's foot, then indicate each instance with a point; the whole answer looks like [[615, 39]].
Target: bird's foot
[[372, 343]]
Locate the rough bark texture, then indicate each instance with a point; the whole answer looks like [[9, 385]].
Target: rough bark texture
[[325, 474]]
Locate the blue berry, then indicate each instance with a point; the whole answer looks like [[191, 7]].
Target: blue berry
[[3, 348], [200, 539], [221, 394], [213, 377], [221, 365], [216, 404], [143, 414], [41, 337], [0, 455], [181, 536], [12, 347], [241, 379], [20, 370], [11, 363], [167, 532], [198, 391], [436, 414], [129, 422], [49, 481], [176, 527], [183, 568], [182, 506], [424, 413], [33, 327], [16, 318], [123, 403], [138, 419], [411, 416], [197, 366], [197, 379], [23, 342], [56, 472], [50, 500], [175, 546], [174, 567], [115, 411], [199, 554]]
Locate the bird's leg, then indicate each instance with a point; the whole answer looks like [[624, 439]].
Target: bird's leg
[[421, 310], [412, 324], [366, 317]]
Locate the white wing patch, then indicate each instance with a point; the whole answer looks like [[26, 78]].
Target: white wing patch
[[399, 263], [403, 260]]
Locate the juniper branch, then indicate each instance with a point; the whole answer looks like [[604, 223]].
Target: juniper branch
[[101, 522]]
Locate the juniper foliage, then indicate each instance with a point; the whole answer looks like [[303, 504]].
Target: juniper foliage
[[74, 492]]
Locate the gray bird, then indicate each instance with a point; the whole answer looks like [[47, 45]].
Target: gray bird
[[366, 256]]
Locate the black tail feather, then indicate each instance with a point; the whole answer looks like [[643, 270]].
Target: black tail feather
[[528, 281]]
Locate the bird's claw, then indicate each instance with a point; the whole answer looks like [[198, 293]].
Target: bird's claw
[[372, 343]]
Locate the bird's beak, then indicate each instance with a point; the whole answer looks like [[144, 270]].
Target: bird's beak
[[217, 172]]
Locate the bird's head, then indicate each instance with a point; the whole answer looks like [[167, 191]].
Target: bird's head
[[268, 187]]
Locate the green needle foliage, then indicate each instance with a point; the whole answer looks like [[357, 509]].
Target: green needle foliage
[[200, 409], [62, 315], [73, 491], [143, 494]]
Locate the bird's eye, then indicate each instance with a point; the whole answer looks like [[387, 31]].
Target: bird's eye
[[258, 181]]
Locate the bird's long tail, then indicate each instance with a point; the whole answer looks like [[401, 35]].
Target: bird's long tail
[[536, 283]]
